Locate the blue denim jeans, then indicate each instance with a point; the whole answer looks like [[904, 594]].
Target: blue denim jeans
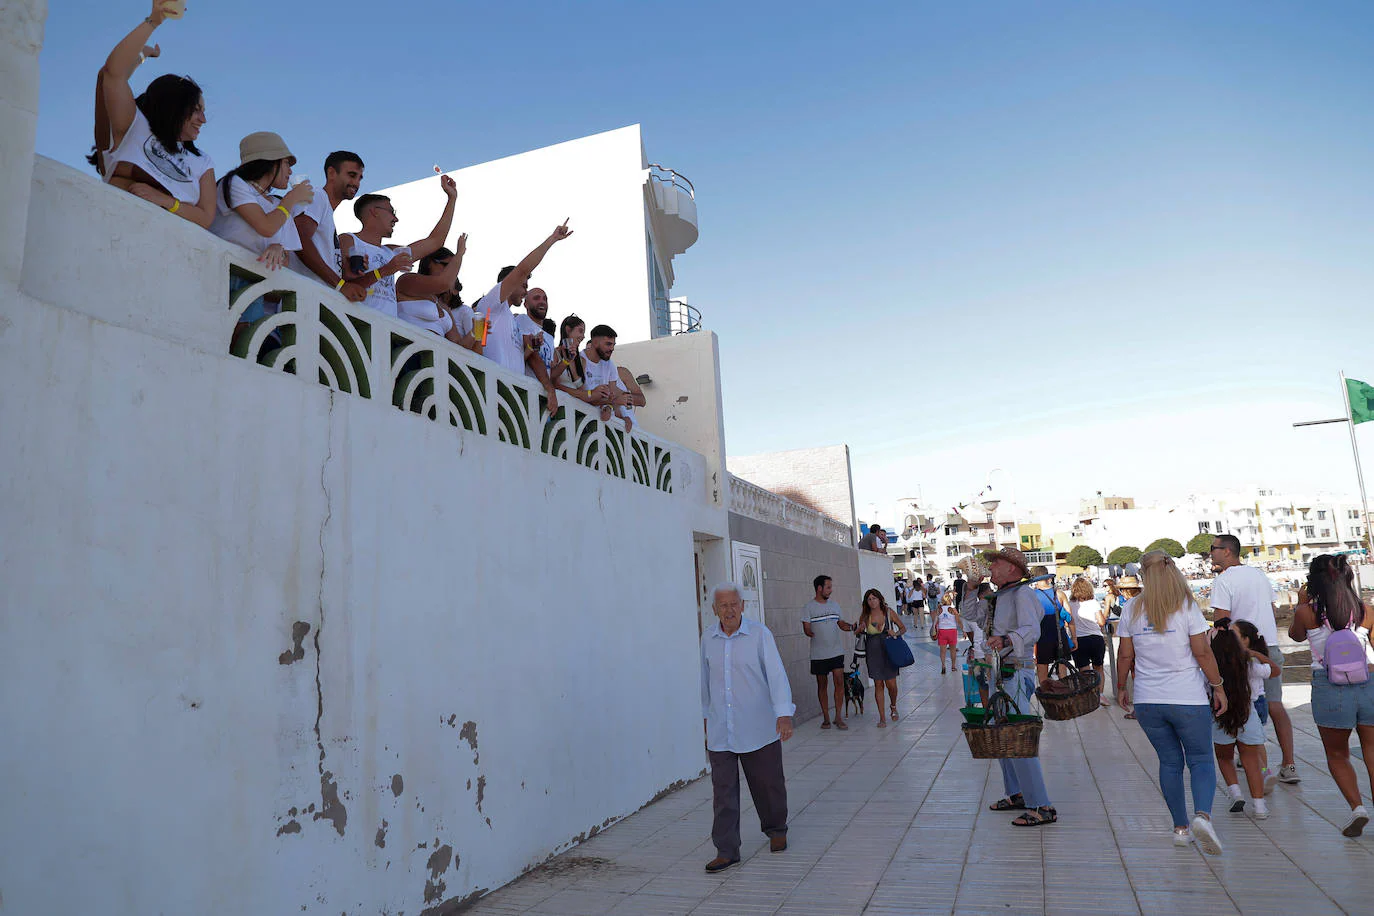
[[1181, 734], [1023, 775]]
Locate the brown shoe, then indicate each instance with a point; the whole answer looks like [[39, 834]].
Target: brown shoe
[[720, 864], [777, 843]]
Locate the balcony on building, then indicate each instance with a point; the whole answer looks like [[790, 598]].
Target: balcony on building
[[671, 203]]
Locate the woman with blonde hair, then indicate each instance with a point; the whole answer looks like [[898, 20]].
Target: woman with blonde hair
[[1164, 643], [1089, 619]]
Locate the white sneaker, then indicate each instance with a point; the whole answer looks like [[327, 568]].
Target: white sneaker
[[1183, 838], [1206, 836], [1358, 818], [1260, 811], [1289, 775], [1269, 780]]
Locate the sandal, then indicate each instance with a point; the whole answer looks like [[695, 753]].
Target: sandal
[[1015, 803], [1037, 817], [893, 714], [1129, 715], [842, 726], [825, 725]]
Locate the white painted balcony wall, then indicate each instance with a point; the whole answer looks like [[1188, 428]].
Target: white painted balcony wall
[[271, 645]]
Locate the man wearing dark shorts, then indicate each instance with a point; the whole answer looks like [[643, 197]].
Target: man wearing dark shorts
[[822, 624]]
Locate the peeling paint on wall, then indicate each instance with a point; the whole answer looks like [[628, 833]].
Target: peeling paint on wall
[[469, 734], [481, 795], [331, 809], [438, 863], [397, 785], [299, 630], [381, 835], [455, 905], [291, 826]]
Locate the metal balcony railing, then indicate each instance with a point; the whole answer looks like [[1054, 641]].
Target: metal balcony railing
[[673, 178], [675, 316]]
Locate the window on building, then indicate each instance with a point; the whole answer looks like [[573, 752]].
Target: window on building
[[1357, 531], [1204, 527], [1326, 532], [951, 530], [1309, 531], [1352, 513], [952, 550], [1321, 515]]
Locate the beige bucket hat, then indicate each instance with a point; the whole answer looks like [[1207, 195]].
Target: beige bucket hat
[[264, 145]]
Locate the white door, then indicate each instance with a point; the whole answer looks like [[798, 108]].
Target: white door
[[749, 577]]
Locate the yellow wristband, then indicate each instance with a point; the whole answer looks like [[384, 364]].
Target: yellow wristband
[[176, 205], [284, 210], [339, 285], [377, 274]]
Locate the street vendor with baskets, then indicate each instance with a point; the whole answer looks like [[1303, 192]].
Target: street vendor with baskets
[[1013, 631]]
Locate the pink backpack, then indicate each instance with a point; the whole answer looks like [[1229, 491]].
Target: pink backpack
[[1344, 658]]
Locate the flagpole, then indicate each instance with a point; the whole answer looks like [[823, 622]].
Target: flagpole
[[1359, 473]]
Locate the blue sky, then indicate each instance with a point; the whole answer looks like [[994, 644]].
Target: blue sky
[[1101, 245]]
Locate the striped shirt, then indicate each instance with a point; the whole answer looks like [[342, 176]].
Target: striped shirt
[[824, 618]]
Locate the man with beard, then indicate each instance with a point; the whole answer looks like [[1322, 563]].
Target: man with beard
[[604, 387], [365, 255], [319, 252], [538, 341]]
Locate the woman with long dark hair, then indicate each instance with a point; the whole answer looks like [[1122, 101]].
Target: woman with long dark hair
[[876, 621], [1237, 724], [1329, 616], [1164, 642], [431, 297], [569, 370], [147, 145]]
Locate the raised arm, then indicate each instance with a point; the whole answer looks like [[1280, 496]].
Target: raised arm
[[435, 240], [121, 64], [522, 271], [422, 286]]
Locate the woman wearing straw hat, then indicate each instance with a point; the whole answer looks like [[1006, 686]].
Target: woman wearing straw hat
[[1164, 641], [1121, 591]]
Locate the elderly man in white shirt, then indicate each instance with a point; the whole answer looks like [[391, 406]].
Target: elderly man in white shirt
[[746, 702]]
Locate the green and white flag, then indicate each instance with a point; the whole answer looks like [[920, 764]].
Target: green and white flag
[[1361, 400]]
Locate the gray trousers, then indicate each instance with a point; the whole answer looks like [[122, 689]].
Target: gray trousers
[[763, 772]]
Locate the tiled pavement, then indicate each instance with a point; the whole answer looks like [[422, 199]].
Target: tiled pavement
[[895, 821]]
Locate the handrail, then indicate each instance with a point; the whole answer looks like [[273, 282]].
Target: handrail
[[677, 316], [753, 501], [320, 337], [676, 177]]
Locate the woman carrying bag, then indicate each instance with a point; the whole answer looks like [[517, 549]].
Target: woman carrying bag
[[876, 622]]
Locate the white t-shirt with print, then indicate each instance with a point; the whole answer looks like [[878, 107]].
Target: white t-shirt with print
[[946, 620], [528, 328], [1247, 594], [178, 173], [325, 239], [504, 345], [1257, 674], [381, 295], [1165, 669], [231, 227]]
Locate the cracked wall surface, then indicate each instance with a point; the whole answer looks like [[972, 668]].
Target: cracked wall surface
[[295, 602]]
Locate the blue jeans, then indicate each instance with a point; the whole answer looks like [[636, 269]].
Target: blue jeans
[[1023, 775], [1181, 734]]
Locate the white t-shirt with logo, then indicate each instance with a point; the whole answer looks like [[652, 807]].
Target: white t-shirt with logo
[[1165, 669], [528, 328], [178, 173], [231, 227], [325, 239], [946, 620], [1246, 593], [381, 295], [504, 345]]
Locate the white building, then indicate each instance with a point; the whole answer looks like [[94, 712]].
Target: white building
[[630, 219]]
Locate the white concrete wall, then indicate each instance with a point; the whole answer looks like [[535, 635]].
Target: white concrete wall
[[508, 206], [875, 571], [501, 653]]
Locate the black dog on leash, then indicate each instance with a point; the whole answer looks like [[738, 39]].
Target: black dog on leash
[[854, 689]]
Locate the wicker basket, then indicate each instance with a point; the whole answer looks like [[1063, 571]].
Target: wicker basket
[[1076, 695], [1017, 737]]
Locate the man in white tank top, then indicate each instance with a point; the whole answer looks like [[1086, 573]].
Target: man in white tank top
[[367, 260]]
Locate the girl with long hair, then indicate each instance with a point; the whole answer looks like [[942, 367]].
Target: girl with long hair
[[1330, 604], [431, 297], [876, 621], [1237, 724], [1089, 619], [1164, 643], [569, 370], [1261, 669], [147, 145]]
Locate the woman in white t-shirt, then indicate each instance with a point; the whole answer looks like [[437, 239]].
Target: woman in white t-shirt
[[147, 145], [1328, 604], [430, 298], [248, 214], [1164, 642], [1090, 647]]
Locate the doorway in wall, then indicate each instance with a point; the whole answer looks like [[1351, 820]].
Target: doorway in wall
[[748, 572]]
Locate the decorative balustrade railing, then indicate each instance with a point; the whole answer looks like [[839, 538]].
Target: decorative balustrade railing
[[753, 501], [319, 336]]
